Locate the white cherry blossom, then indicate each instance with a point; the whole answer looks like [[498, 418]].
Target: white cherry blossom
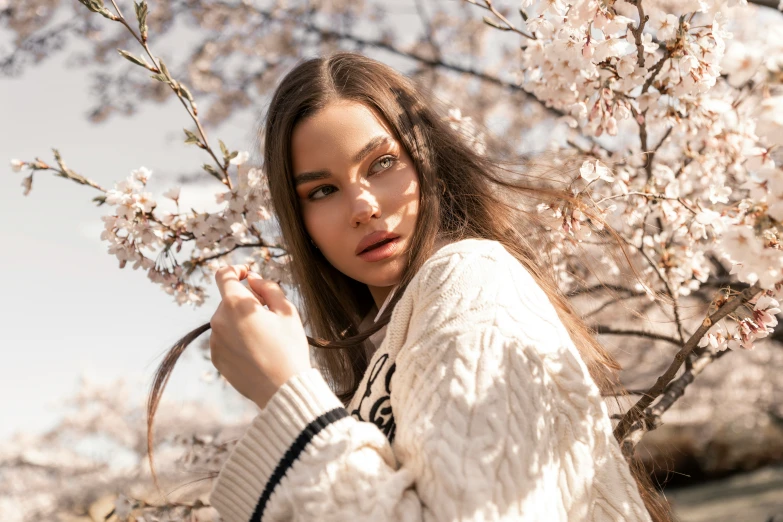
[[240, 158], [593, 170], [16, 165]]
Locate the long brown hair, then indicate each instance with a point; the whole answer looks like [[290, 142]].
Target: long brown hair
[[463, 194]]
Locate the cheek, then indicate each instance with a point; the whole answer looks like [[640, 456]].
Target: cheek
[[326, 227], [312, 224], [406, 193]]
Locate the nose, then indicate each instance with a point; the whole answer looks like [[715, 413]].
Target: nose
[[364, 207]]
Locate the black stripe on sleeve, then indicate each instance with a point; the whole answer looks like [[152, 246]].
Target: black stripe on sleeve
[[293, 453]]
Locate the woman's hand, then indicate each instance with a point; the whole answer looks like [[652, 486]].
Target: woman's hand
[[255, 349]]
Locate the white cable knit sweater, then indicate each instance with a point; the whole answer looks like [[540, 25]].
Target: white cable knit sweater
[[476, 406]]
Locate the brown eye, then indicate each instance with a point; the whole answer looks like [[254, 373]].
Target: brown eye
[[320, 190]]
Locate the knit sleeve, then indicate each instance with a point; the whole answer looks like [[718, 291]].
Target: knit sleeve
[[485, 428]]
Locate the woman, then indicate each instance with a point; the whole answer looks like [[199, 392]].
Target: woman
[[453, 388]]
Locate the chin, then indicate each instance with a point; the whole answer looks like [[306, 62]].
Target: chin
[[386, 276]]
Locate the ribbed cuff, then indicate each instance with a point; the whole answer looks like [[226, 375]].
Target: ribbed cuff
[[294, 415]]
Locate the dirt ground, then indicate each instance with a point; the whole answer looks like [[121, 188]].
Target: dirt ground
[[749, 497]]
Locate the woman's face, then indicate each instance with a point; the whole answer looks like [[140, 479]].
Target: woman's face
[[353, 179]]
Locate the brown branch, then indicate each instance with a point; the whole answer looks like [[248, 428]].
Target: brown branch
[[654, 71], [676, 389], [596, 288], [650, 155], [636, 412], [638, 30], [677, 318]]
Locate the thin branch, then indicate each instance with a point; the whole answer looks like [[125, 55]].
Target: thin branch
[[677, 318], [613, 301], [608, 330], [63, 172], [654, 71], [200, 260], [650, 155], [175, 86], [650, 195], [638, 30], [596, 288], [508, 25], [649, 260]]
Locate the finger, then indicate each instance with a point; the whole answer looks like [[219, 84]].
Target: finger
[[228, 279], [270, 292], [257, 296], [213, 337]]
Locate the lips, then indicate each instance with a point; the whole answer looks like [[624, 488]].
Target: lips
[[373, 239]]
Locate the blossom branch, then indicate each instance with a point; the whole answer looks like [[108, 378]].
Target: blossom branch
[[63, 171], [182, 93], [507, 25], [203, 259]]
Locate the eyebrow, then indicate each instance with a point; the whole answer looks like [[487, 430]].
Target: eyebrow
[[371, 145]]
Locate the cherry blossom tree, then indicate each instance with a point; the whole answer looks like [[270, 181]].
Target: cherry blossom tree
[[665, 118]]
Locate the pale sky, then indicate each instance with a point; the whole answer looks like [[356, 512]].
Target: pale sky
[[66, 309]]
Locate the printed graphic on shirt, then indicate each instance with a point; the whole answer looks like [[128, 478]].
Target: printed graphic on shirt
[[375, 404]]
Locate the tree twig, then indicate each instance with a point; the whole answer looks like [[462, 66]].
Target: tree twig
[[638, 31], [508, 26], [175, 86], [608, 330]]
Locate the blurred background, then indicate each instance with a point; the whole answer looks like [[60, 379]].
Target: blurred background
[[81, 339]]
